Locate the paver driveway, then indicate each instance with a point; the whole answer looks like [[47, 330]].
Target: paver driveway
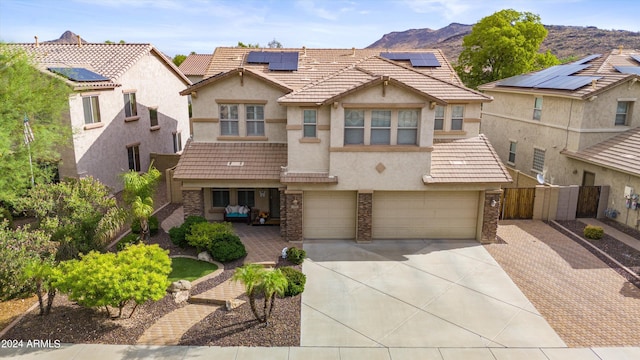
[[414, 293]]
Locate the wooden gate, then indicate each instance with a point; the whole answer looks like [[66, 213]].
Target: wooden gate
[[517, 203], [588, 198]]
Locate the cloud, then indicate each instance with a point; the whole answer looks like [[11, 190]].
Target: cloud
[[450, 9], [310, 7]]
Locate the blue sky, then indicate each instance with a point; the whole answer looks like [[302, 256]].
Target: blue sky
[[182, 26]]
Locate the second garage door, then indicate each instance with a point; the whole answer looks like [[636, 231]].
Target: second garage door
[[329, 215], [425, 215]]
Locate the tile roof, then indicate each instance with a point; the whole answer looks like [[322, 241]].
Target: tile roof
[[316, 64], [602, 67], [621, 153], [195, 64], [108, 60], [231, 161], [471, 160], [373, 70]]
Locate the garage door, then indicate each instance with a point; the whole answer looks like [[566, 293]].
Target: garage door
[[329, 215], [425, 215]]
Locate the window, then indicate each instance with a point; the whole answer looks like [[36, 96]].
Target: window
[[255, 120], [177, 142], [538, 160], [512, 152], [537, 108], [457, 116], [310, 123], [407, 127], [246, 197], [380, 127], [220, 197], [134, 157], [130, 105], [438, 124], [153, 116], [229, 119], [621, 112], [91, 109], [354, 127]]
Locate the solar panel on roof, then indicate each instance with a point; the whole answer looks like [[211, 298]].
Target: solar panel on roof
[[256, 57], [587, 59], [282, 60], [636, 57], [557, 74], [567, 82], [283, 66], [628, 69], [417, 59], [78, 74]]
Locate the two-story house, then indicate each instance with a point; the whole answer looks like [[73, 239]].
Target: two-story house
[[125, 106], [342, 144], [573, 124]]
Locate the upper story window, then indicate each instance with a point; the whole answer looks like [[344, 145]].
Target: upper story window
[[438, 124], [310, 123], [91, 107], [538, 160], [153, 116], [177, 141], [537, 108], [255, 120], [130, 105], [622, 112], [512, 152], [229, 119], [380, 127], [133, 152], [457, 117], [407, 127], [354, 127]]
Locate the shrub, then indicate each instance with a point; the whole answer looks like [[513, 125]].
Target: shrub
[[132, 238], [154, 226], [226, 246], [295, 280], [296, 255], [202, 235], [178, 234], [593, 232], [6, 215]]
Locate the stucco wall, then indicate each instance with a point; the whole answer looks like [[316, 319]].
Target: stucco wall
[[102, 151]]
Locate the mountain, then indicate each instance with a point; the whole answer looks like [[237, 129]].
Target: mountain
[[562, 41], [68, 37]]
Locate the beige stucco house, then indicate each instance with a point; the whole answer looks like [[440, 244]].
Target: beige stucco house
[[574, 124], [342, 144], [125, 106]]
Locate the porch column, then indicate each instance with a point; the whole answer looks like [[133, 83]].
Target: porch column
[[283, 214], [192, 202], [491, 213], [293, 203], [365, 212]]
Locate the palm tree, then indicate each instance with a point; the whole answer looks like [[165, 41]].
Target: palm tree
[[138, 194], [261, 281]]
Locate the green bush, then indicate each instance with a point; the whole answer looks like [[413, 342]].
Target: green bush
[[593, 232], [154, 225], [178, 234], [202, 235], [129, 239], [295, 281], [6, 215], [226, 246], [296, 255]]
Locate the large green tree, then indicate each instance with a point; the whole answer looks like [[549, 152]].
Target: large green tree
[[138, 194], [44, 100], [501, 45]]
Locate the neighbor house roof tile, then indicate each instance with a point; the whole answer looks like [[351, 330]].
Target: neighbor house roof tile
[[195, 64]]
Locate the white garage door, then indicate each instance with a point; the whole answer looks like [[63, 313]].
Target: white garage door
[[425, 215], [329, 215]]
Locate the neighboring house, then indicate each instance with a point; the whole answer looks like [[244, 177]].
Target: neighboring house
[[342, 144], [574, 124], [195, 66], [125, 106]]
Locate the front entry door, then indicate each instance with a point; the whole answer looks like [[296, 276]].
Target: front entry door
[[274, 203]]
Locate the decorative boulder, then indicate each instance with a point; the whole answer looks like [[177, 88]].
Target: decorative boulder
[[180, 285], [180, 296], [205, 256], [233, 303]]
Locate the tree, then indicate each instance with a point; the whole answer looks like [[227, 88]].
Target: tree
[[138, 273], [80, 215], [179, 59], [138, 194], [44, 101], [248, 45], [502, 45], [274, 44], [261, 282]]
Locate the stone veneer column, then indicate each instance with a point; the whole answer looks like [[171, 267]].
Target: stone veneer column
[[293, 203], [365, 212], [193, 202], [283, 214], [490, 216]]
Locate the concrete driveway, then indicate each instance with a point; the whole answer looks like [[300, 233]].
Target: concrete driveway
[[414, 293]]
